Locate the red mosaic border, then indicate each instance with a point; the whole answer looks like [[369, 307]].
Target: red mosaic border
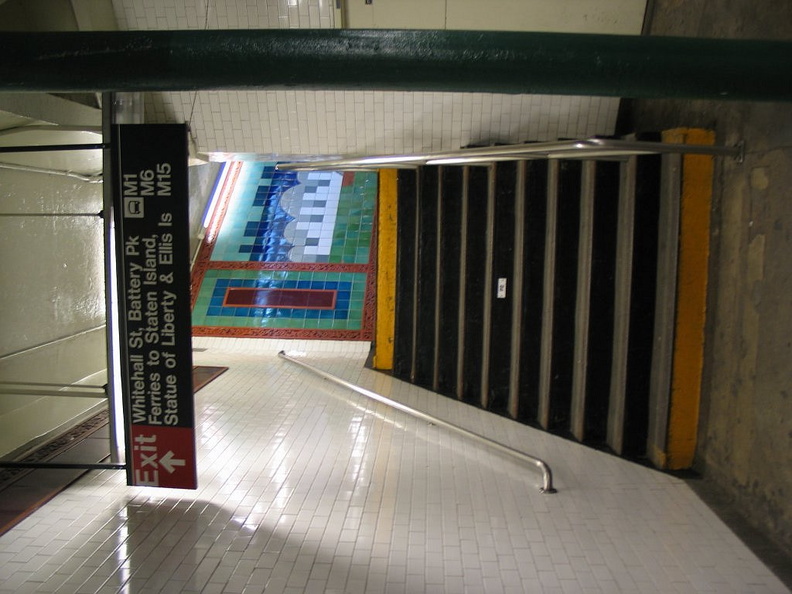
[[288, 333]]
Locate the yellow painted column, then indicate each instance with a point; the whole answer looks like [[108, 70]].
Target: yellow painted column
[[386, 270], [691, 302]]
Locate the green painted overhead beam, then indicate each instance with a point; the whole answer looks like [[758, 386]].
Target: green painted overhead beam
[[498, 62]]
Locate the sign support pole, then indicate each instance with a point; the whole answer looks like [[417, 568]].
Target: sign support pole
[[110, 305]]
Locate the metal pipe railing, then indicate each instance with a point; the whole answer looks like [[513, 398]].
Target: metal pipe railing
[[91, 179], [547, 475], [53, 389], [63, 465], [563, 149], [49, 389], [50, 343], [53, 385], [40, 392]]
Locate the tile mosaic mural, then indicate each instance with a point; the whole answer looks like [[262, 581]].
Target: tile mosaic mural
[[288, 255]]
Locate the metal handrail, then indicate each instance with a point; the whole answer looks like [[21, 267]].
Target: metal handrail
[[52, 385], [91, 179], [39, 392], [50, 342], [547, 475], [49, 389], [562, 149], [63, 465]]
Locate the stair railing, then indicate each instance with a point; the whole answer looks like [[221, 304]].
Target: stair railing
[[547, 475], [590, 148]]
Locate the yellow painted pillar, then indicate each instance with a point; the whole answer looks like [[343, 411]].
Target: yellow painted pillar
[[691, 300], [386, 270]]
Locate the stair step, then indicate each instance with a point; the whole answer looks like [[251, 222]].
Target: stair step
[[426, 277], [534, 239], [475, 263], [501, 286], [406, 237], [529, 288], [450, 274]]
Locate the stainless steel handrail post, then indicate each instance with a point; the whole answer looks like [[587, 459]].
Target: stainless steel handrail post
[[547, 475]]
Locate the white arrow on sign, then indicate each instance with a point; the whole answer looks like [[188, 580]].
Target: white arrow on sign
[[169, 462]]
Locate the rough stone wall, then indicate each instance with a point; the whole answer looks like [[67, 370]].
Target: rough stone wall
[[745, 433]]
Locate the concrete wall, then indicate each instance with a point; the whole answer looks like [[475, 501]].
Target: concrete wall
[[746, 431], [745, 426]]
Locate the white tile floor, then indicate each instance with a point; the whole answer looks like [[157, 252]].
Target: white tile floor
[[307, 487]]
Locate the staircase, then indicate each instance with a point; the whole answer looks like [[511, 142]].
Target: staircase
[[567, 292]]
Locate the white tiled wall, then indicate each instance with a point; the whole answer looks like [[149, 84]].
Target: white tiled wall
[[224, 14], [344, 122], [52, 302]]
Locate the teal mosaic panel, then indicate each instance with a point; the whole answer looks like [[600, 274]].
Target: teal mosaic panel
[[347, 315], [330, 217], [355, 219]]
